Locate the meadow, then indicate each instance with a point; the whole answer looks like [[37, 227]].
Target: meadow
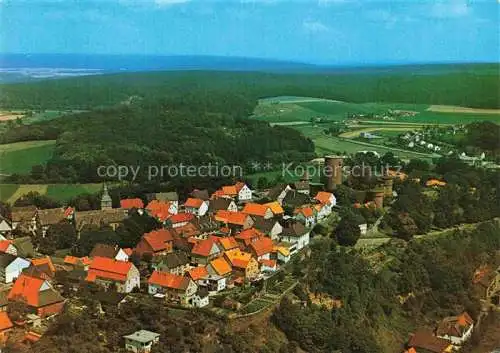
[[60, 192], [19, 157]]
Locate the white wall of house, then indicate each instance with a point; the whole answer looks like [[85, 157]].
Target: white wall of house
[[121, 255], [458, 341], [14, 269], [276, 231], [203, 209], [200, 302], [5, 227], [232, 207], [133, 279], [245, 194]]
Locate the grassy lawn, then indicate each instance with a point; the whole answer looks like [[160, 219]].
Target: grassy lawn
[[254, 306], [21, 156]]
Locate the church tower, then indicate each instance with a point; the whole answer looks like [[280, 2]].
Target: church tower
[[106, 202]]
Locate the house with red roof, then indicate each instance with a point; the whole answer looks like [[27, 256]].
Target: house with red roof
[[7, 246], [205, 250], [306, 215], [243, 263], [5, 326], [128, 204], [198, 274], [218, 270], [268, 265], [456, 329], [198, 207], [38, 294], [234, 220], [258, 210], [276, 208], [157, 242], [107, 272], [239, 191], [425, 341], [228, 243], [180, 219], [42, 267], [261, 248], [75, 262], [161, 210], [176, 289], [247, 236]]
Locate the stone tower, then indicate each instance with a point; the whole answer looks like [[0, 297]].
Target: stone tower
[[106, 202], [332, 172]]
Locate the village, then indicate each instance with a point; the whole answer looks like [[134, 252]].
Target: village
[[210, 251]]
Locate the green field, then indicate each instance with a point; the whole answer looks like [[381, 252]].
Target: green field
[[21, 156], [293, 109], [60, 192], [326, 144]]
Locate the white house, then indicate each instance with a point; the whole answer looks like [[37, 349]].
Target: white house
[[141, 341], [271, 227], [105, 272], [11, 267], [295, 233], [200, 298], [363, 228], [306, 215], [176, 289], [198, 207], [244, 192], [456, 329], [5, 228]]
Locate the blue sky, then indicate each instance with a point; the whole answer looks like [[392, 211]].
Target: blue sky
[[317, 31]]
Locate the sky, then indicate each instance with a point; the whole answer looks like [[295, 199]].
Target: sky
[[312, 31]]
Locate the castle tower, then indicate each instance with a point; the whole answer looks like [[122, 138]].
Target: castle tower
[[332, 172], [378, 197], [388, 184], [106, 202]]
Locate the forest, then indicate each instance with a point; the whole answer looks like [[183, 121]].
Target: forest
[[195, 131], [467, 85]]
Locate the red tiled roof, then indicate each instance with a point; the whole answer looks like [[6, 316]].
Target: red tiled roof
[[198, 272], [262, 246], [194, 203], [131, 203], [4, 244], [426, 340], [323, 197], [181, 217], [68, 212], [275, 207], [249, 233], [228, 243], [455, 325], [255, 209], [188, 230], [221, 266], [168, 280], [157, 239], [159, 209], [306, 211], [229, 217], [203, 247], [230, 190], [44, 261], [107, 268], [5, 322], [268, 263], [26, 287]]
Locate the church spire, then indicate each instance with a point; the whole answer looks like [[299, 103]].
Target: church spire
[[106, 202]]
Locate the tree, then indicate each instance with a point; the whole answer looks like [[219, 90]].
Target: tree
[[403, 225], [347, 231], [89, 238]]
